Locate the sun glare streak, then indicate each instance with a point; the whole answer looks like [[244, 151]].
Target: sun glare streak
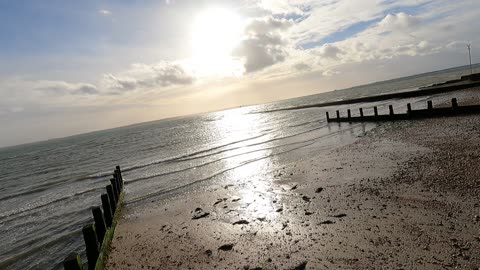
[[215, 34]]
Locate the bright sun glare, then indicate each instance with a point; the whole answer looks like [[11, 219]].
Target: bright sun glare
[[215, 34]]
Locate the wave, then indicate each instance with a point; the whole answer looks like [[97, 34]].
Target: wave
[[154, 194], [128, 169], [235, 155], [306, 143], [19, 211], [48, 185], [206, 163], [254, 144], [22, 255]]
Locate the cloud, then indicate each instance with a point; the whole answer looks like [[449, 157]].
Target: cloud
[[302, 67], [65, 88], [283, 7], [105, 12], [399, 22], [330, 51], [264, 45], [141, 76]]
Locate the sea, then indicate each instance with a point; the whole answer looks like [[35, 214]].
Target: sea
[[47, 189]]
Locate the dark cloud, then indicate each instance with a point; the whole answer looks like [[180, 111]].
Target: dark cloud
[[264, 45], [85, 89]]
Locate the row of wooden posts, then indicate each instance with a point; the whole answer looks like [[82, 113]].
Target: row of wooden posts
[[94, 234], [410, 114]]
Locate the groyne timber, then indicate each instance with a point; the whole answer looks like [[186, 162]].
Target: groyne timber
[[411, 114], [98, 235], [465, 82]]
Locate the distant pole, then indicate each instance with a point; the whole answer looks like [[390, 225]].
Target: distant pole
[[469, 47]]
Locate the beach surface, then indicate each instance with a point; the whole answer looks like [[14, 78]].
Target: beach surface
[[404, 195]]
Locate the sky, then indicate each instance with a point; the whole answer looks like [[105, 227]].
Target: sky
[[70, 67]]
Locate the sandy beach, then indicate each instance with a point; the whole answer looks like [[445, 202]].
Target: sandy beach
[[403, 196]]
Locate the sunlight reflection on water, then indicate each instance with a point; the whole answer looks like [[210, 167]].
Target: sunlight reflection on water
[[256, 194]]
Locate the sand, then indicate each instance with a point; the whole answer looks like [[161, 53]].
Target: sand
[[404, 196]]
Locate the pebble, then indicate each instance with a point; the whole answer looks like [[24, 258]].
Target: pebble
[[226, 247], [199, 213], [240, 222]]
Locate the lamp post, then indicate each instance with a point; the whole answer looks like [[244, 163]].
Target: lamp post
[[470, 57]]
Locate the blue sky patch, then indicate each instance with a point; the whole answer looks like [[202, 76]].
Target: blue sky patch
[[359, 27], [342, 34]]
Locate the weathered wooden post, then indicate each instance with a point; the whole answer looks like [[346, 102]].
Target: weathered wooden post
[[390, 108], [117, 183], [119, 173], [116, 175], [114, 184], [91, 244], [454, 103], [430, 105], [107, 210], [375, 111], [409, 109], [73, 262], [338, 114], [111, 197], [328, 117], [361, 112], [349, 114], [100, 228]]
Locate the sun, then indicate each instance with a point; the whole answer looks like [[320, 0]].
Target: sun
[[215, 34]]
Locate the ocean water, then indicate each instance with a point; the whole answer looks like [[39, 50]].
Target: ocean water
[[47, 189]]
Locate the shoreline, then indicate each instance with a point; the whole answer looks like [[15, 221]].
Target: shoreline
[[392, 199]]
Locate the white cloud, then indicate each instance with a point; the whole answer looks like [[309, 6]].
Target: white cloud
[[329, 51], [142, 76], [282, 6], [399, 22], [105, 12]]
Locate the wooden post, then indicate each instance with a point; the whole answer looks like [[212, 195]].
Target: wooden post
[[328, 117], [454, 103], [114, 184], [107, 210], [361, 112], [100, 228], [119, 172], [116, 175], [375, 111], [349, 114], [338, 114], [430, 105], [390, 107], [111, 197], [73, 262], [119, 181], [409, 109], [91, 245]]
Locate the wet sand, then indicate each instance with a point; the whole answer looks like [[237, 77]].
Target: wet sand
[[404, 196]]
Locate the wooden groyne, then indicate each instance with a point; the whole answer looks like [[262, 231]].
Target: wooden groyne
[[465, 82], [98, 235], [429, 112]]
